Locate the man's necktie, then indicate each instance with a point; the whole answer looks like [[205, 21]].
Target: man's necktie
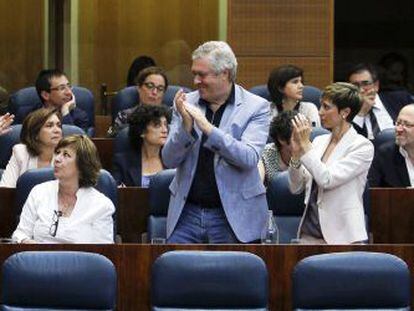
[[374, 123]]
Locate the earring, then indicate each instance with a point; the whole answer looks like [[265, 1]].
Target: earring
[[343, 117]]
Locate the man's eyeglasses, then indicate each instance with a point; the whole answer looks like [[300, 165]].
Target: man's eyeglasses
[[62, 87], [201, 74], [404, 124], [55, 223], [151, 86], [363, 84]]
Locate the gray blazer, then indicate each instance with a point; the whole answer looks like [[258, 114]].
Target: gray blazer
[[237, 144]]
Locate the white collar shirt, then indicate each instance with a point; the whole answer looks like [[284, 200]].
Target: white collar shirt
[[409, 165], [381, 114]]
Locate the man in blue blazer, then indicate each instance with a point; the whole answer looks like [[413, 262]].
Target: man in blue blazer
[[216, 137]]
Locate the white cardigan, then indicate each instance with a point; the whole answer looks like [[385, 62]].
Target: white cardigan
[[20, 162], [341, 183], [90, 221]]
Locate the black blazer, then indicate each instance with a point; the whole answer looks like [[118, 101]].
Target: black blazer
[[393, 101], [127, 168], [388, 168]]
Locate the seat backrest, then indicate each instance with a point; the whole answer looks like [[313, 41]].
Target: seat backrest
[[287, 207], [310, 93], [383, 137], [159, 199], [7, 141], [124, 99], [351, 280], [128, 97], [27, 97], [47, 280], [316, 131], [194, 280], [121, 142], [170, 93]]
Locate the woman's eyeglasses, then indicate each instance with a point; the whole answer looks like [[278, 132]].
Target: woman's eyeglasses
[[55, 223], [151, 86]]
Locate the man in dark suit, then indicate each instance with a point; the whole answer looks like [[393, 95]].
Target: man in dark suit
[[393, 164], [379, 110], [55, 91]]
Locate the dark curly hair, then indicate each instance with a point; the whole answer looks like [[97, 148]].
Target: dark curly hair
[[281, 127], [87, 158], [141, 118], [277, 81]]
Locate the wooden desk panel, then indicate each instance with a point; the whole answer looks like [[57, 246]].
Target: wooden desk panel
[[105, 148], [8, 220], [133, 211], [392, 215], [133, 263]]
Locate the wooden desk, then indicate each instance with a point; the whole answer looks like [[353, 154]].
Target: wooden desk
[[133, 211], [392, 215], [133, 264], [105, 148], [8, 221]]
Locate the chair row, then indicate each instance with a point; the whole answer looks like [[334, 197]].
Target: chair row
[[207, 280], [123, 99]]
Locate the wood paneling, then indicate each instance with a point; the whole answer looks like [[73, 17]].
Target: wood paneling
[[291, 28], [267, 33], [105, 148], [392, 211], [255, 70], [391, 219], [21, 37], [133, 264], [112, 33]]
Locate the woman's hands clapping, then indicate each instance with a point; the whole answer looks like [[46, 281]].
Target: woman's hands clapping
[[300, 139]]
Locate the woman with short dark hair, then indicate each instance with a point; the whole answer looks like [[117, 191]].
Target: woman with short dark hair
[[41, 132], [68, 209], [332, 170], [148, 131], [285, 85]]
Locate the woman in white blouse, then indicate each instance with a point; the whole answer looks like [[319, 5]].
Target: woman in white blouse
[[41, 132], [285, 85], [332, 170], [68, 209]]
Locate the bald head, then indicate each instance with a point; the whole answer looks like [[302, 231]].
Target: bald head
[[404, 127]]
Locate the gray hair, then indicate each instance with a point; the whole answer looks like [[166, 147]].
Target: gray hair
[[220, 55]]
